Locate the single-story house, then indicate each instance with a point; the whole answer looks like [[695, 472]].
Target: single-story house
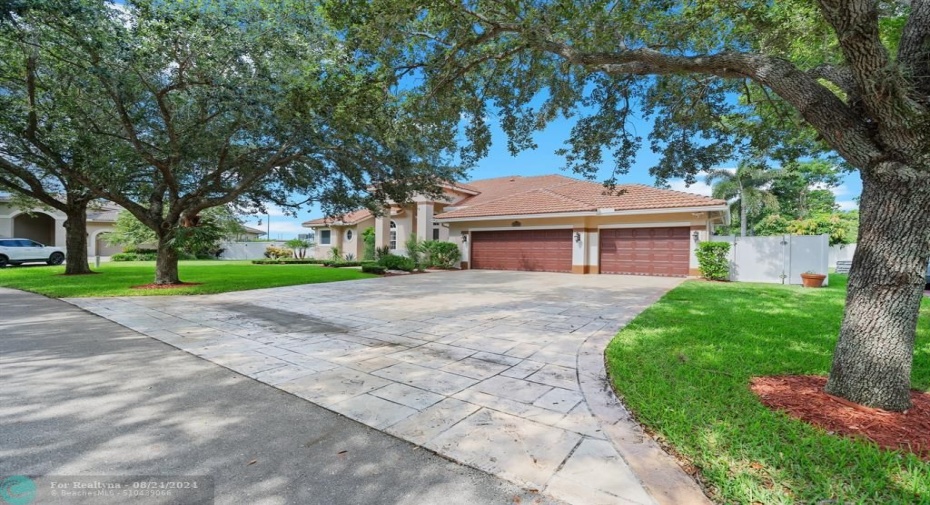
[[247, 233], [47, 226], [546, 223]]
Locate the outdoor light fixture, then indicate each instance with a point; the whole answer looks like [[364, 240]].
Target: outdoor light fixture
[[696, 235], [464, 237], [577, 237]]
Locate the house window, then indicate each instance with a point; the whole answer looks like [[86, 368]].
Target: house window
[[393, 236], [348, 235], [436, 232], [324, 237]]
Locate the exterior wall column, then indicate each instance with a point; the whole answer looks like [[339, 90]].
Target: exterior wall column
[[464, 242], [703, 234], [594, 251], [60, 233], [424, 220], [383, 229], [579, 250]]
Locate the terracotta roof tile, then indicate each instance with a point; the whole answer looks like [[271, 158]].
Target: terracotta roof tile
[[545, 194], [351, 218]]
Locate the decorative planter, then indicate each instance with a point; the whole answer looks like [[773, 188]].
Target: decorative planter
[[812, 280]]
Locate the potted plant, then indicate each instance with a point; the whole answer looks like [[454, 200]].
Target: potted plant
[[811, 279]]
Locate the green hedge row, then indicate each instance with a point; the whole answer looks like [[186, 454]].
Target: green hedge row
[[289, 261]]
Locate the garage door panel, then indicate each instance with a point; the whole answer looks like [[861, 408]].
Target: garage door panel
[[532, 250], [646, 251]]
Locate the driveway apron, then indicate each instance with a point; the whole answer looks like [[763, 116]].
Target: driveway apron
[[502, 371]]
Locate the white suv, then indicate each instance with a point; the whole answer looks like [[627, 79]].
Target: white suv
[[14, 251]]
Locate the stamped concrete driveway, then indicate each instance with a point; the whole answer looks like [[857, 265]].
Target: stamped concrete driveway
[[502, 371]]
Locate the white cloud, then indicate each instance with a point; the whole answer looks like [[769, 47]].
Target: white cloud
[[698, 188], [848, 205]]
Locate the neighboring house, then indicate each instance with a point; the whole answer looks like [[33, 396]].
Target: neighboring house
[[547, 223], [246, 234], [46, 226]]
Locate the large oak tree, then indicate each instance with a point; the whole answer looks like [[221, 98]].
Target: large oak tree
[[719, 80], [193, 105]]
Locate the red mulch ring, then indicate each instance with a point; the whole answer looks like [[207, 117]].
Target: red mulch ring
[[167, 286], [803, 397]]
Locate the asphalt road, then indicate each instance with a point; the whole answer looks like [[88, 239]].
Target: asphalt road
[[82, 396]]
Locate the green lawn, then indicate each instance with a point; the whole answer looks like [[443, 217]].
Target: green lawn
[[683, 367], [117, 279]]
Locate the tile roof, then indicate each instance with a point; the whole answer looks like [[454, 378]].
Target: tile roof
[[351, 218], [546, 194]]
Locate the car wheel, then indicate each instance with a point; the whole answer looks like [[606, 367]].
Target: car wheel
[[56, 258], [4, 261]]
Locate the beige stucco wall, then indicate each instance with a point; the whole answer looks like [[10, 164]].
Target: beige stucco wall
[[93, 232], [56, 234], [586, 252], [339, 238]]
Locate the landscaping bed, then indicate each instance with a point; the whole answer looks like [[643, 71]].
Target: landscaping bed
[[684, 367]]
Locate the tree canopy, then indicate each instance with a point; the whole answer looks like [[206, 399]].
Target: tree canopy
[[195, 105], [720, 80]]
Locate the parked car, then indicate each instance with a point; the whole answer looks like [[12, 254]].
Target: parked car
[[15, 251]]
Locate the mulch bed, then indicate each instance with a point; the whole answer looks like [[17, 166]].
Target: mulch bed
[[166, 286], [803, 397]]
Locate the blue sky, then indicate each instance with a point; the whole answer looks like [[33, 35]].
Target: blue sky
[[540, 161]]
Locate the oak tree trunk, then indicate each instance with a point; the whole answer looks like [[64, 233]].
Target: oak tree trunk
[[166, 264], [76, 238], [873, 357]]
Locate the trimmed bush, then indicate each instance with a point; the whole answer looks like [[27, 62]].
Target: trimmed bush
[[373, 268], [134, 256], [441, 254], [340, 264], [395, 262], [278, 253], [288, 261], [712, 260]]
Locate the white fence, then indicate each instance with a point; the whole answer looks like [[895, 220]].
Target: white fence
[[779, 259], [245, 250], [841, 253]]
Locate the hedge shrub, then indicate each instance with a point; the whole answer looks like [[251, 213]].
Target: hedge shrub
[[288, 261], [341, 263], [395, 262], [712, 260], [134, 256], [441, 254], [374, 268], [278, 253]]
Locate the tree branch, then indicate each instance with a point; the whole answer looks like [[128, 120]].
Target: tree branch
[[844, 130]]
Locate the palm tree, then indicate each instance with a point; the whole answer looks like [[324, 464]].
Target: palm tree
[[746, 188]]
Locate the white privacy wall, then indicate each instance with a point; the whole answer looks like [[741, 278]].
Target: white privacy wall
[[779, 259], [246, 250], [841, 253]]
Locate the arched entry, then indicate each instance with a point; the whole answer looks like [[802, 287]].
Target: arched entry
[[39, 227], [101, 248]]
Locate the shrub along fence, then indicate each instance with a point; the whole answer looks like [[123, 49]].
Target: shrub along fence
[[778, 259], [246, 250]]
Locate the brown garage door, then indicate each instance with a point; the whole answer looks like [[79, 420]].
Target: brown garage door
[[533, 250], [645, 251]]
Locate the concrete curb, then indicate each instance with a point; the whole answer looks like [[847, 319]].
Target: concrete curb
[[658, 472]]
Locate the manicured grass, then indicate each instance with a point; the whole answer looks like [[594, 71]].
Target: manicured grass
[[683, 367], [117, 278]]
